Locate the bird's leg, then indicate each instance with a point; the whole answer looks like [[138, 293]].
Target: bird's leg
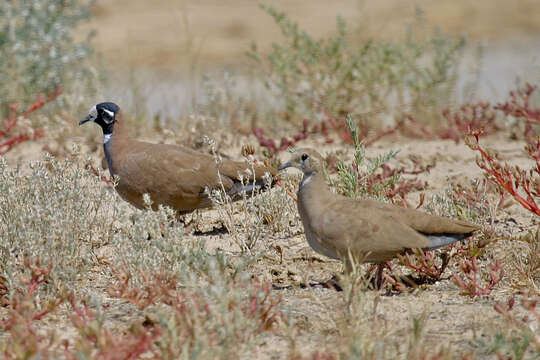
[[379, 281], [187, 219], [183, 219], [332, 283], [445, 261]]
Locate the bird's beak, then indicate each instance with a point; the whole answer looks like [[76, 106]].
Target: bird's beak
[[286, 165], [86, 119]]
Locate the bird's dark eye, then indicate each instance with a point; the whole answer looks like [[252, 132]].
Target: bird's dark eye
[[304, 157]]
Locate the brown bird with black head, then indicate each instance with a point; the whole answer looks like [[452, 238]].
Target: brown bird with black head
[[172, 175]]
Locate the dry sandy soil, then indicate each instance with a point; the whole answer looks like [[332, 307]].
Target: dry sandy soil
[[451, 321]]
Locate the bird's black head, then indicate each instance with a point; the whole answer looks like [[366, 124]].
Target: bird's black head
[[103, 114]]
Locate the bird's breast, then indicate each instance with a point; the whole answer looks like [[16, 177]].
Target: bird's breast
[[307, 217]]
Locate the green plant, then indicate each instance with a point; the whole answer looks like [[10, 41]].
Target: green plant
[[526, 263], [52, 209], [201, 321], [518, 338], [353, 180], [373, 177], [370, 81], [38, 49], [473, 280], [24, 311]]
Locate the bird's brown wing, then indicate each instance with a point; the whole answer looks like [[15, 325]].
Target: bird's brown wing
[[176, 176], [420, 221], [170, 175], [233, 169], [369, 233]]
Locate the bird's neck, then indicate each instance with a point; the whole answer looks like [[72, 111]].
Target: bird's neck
[[110, 139], [107, 149], [313, 192], [117, 130]]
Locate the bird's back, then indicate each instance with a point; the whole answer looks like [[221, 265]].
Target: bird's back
[[172, 175], [369, 229]]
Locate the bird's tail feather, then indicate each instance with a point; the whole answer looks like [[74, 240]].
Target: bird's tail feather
[[239, 189], [439, 241]]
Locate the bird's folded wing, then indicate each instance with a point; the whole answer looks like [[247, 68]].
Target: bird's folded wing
[[173, 175], [171, 170], [346, 224], [235, 169], [422, 222]]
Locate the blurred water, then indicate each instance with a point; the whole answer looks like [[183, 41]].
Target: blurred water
[[503, 67], [497, 71]]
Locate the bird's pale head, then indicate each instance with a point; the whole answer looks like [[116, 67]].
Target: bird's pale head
[[307, 160], [104, 114]]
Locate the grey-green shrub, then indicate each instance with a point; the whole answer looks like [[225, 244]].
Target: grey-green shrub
[[38, 50], [369, 81], [353, 178], [54, 210]]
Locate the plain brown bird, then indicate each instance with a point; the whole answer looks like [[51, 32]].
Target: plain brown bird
[[172, 175], [369, 230]]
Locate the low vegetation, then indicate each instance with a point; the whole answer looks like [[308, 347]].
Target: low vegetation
[[85, 275], [370, 82], [39, 52]]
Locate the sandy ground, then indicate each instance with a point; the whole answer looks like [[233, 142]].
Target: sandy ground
[[451, 320]]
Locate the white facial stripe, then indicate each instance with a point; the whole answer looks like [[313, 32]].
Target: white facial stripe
[[110, 113], [107, 138], [109, 118], [93, 113]]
